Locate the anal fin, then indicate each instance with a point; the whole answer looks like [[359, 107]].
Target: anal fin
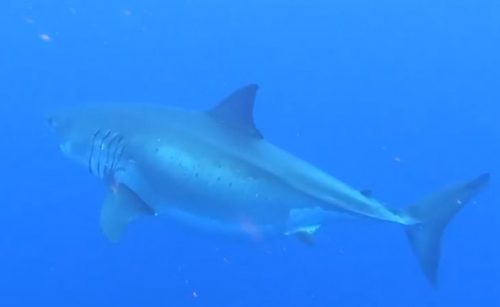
[[121, 207]]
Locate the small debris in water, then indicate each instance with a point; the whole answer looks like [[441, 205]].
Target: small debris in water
[[45, 37], [29, 20]]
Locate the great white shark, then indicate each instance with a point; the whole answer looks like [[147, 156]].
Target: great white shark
[[214, 169]]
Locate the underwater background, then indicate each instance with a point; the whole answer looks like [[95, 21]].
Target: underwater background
[[399, 97]]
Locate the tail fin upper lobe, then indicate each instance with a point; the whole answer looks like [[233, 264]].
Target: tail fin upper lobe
[[435, 212]]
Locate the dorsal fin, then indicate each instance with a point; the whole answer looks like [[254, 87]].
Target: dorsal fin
[[236, 111]]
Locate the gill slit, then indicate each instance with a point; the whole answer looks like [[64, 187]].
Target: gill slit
[[101, 163], [102, 146], [113, 145], [92, 149]]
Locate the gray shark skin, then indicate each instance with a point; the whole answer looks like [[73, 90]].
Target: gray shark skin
[[214, 170]]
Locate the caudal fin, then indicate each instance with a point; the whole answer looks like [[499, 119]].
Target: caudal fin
[[434, 214]]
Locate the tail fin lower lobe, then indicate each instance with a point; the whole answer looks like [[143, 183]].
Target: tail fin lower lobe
[[434, 214]]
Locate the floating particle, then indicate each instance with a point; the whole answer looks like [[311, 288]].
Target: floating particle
[[29, 20], [45, 37], [397, 159], [126, 12], [195, 294]]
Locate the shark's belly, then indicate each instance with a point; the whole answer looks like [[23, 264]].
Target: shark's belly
[[229, 198], [249, 206], [218, 192]]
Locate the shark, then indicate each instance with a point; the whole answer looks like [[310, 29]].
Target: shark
[[213, 169]]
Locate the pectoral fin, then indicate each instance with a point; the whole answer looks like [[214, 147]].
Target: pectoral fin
[[306, 237], [121, 207], [305, 234]]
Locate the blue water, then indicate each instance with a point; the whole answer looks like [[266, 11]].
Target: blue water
[[401, 97]]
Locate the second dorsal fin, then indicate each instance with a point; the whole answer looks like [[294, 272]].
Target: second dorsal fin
[[236, 111]]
